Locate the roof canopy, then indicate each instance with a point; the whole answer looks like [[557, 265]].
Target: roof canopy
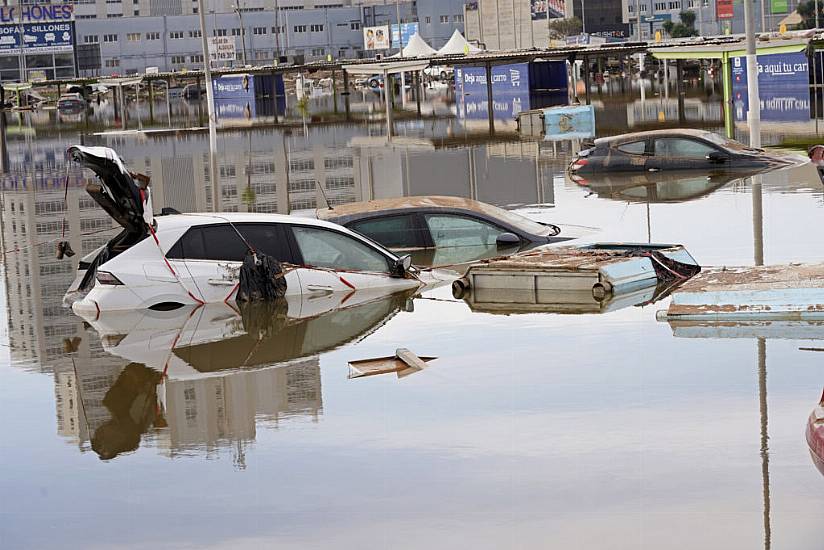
[[386, 67], [458, 45], [730, 49], [417, 47]]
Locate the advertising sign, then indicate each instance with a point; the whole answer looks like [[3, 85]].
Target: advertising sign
[[788, 69], [539, 9], [724, 9], [221, 48], [376, 38], [510, 88], [779, 6], [234, 86], [407, 31], [44, 37]]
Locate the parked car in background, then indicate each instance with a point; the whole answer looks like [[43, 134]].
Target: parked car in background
[[440, 72], [443, 230], [71, 103], [196, 258], [680, 149]]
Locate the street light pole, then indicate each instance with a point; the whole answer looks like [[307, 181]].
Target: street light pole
[[583, 17], [210, 105], [277, 32]]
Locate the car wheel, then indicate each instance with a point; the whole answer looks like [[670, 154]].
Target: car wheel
[[373, 83]]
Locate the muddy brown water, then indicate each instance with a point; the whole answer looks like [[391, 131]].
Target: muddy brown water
[[530, 430]]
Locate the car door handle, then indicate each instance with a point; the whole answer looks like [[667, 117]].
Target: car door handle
[[319, 288]]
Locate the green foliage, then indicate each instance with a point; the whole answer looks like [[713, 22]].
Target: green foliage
[[560, 28], [683, 29], [807, 12]]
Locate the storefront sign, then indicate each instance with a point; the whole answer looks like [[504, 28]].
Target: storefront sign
[[779, 6], [724, 9], [37, 12], [43, 37], [221, 48]]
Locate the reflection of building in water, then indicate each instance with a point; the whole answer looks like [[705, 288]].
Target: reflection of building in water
[[666, 110], [33, 209], [214, 411], [261, 171], [503, 173]]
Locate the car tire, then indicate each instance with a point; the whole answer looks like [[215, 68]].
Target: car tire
[[373, 83]]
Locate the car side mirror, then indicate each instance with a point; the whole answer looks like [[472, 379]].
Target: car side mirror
[[717, 157], [402, 265], [507, 239]]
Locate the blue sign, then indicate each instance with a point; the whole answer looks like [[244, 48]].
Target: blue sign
[[235, 87], [36, 13], [44, 37], [785, 69], [567, 122], [408, 30], [510, 90], [235, 107]]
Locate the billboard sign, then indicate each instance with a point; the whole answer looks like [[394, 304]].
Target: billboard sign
[[221, 48], [510, 90], [407, 31], [235, 87], [539, 9], [724, 9], [376, 38], [53, 37]]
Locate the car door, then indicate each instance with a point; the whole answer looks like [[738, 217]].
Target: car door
[[212, 256], [460, 239], [333, 261], [628, 157], [682, 153]]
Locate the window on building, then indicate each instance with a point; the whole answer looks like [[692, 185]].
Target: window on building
[[136, 13], [194, 34], [675, 5], [113, 15], [152, 36], [236, 32], [300, 28], [220, 32], [457, 18], [444, 19], [660, 6], [109, 38], [91, 39], [354, 25], [259, 30], [176, 35], [197, 58], [113, 62], [427, 20], [316, 28], [178, 59], [317, 51], [133, 37]]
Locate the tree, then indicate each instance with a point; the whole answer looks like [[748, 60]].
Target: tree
[[560, 28], [807, 12], [683, 29]]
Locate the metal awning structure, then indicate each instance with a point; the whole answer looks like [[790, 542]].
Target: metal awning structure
[[386, 67]]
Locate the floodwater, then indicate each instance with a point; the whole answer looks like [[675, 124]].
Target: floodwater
[[532, 430]]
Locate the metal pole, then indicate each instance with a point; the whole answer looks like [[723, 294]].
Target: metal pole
[[242, 34], [583, 17], [490, 106], [277, 33], [22, 32], [754, 106], [817, 11], [400, 39], [210, 104]]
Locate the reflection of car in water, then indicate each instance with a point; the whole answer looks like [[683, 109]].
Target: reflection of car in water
[[444, 230], [193, 91], [681, 149], [182, 361], [71, 103], [655, 187], [196, 258], [815, 435]]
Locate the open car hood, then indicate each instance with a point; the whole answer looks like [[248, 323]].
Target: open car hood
[[116, 191]]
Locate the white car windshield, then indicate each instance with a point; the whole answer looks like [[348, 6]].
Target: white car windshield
[[516, 220]]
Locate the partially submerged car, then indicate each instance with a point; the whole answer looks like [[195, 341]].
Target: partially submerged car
[[680, 149], [168, 261], [444, 230]]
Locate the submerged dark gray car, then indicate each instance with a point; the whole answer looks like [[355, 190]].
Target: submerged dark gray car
[[680, 149]]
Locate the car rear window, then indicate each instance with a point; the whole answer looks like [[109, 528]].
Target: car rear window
[[222, 242], [392, 232], [633, 147]]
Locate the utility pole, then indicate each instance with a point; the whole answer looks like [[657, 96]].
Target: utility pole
[[754, 106], [242, 33], [210, 104], [817, 11], [583, 17], [22, 32], [277, 33], [400, 39]]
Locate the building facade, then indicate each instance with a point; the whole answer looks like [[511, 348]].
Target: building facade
[[712, 17], [123, 37]]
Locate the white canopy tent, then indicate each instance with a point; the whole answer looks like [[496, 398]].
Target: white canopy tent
[[458, 45], [417, 47]]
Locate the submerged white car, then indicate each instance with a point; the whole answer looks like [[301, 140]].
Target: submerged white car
[[170, 261]]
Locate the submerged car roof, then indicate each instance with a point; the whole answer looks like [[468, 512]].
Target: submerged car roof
[[688, 132], [400, 203]]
